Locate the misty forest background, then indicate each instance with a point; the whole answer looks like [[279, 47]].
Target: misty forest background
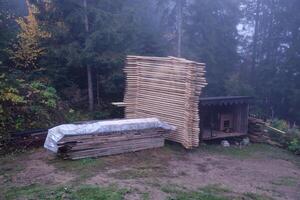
[[62, 60]]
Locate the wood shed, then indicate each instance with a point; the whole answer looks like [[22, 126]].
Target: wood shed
[[223, 117]]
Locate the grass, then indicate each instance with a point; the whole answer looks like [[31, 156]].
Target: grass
[[210, 192], [140, 172], [233, 151], [84, 168], [145, 196], [252, 151], [285, 181], [85, 192], [9, 166], [172, 189], [253, 196]]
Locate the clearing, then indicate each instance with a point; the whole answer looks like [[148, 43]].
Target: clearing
[[208, 173]]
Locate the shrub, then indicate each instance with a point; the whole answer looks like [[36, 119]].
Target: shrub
[[294, 140], [26, 105]]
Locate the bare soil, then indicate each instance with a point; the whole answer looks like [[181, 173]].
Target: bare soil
[[154, 174]]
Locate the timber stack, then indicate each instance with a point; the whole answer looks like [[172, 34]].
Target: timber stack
[[167, 88], [103, 138]]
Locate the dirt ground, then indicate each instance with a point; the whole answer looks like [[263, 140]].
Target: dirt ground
[[255, 171]]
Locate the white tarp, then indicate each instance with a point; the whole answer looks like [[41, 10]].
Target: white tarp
[[57, 133]]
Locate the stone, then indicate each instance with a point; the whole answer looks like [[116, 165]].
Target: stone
[[225, 143]]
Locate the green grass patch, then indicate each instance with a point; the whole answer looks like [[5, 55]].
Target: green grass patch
[[209, 192], [96, 193], [172, 189], [258, 151], [285, 181], [78, 165], [142, 171], [253, 196], [86, 192], [145, 196], [130, 174], [196, 195], [215, 189], [83, 168], [233, 151]]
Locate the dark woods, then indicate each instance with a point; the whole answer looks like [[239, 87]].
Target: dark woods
[[61, 60]]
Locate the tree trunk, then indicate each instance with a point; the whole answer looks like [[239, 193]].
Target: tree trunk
[[179, 27], [255, 38], [90, 88], [88, 68], [98, 88]]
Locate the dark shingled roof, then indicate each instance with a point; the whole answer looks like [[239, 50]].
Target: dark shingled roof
[[225, 100]]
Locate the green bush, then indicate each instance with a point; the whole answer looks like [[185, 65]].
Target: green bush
[[294, 140], [26, 105]]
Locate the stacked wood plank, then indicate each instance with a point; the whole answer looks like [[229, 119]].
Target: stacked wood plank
[[167, 88], [102, 138], [77, 147]]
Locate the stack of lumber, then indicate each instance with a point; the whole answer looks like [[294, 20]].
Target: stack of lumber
[[167, 88], [76, 141]]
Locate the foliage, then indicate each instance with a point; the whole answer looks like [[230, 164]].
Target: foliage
[[27, 51], [280, 124], [26, 104], [250, 47], [294, 140], [211, 38], [290, 139]]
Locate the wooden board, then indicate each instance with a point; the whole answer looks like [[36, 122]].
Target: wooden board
[[167, 88], [95, 145]]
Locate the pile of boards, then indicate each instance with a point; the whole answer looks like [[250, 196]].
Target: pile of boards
[[167, 88], [102, 138]]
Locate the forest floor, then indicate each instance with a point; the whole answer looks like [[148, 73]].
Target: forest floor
[[210, 172]]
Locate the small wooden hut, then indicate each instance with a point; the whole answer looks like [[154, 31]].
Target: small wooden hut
[[222, 117]]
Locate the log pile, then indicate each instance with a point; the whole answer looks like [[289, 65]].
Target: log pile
[[167, 88], [76, 141], [259, 133]]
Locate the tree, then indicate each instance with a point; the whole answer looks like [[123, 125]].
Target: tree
[[273, 47], [27, 51], [173, 21], [211, 37], [88, 67]]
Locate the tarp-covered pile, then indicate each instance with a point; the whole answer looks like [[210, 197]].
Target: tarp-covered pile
[[75, 141]]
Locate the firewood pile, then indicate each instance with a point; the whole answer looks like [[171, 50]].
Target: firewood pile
[[76, 141], [167, 88], [259, 133]]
